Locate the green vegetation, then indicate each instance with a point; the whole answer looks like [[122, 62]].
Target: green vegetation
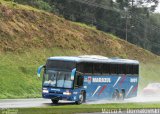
[[40, 4], [13, 5], [85, 25], [18, 77], [71, 109]]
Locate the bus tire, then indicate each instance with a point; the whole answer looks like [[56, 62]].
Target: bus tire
[[54, 101], [122, 95], [115, 96], [82, 98]]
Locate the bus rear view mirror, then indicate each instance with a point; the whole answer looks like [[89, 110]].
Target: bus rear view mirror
[[73, 73], [39, 70]]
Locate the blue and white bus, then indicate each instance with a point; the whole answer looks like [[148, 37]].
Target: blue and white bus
[[89, 77]]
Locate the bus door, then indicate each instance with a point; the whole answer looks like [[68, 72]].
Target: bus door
[[78, 83]]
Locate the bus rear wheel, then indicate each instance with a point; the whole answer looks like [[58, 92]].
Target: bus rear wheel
[[122, 95], [54, 101], [115, 96], [82, 98]]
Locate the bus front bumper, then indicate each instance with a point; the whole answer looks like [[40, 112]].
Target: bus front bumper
[[59, 96]]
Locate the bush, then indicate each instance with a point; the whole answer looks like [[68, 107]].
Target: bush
[[40, 4]]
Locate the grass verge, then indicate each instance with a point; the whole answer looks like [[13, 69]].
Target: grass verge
[[72, 109]]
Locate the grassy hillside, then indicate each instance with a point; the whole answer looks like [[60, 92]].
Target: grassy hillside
[[18, 72], [28, 36]]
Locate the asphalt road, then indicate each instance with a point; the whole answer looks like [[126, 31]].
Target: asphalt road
[[39, 102], [25, 103]]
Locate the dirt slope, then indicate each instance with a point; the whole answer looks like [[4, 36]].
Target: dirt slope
[[22, 29]]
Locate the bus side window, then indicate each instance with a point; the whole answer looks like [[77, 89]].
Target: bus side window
[[113, 69], [80, 67], [89, 68], [97, 68], [124, 69], [127, 69], [135, 69]]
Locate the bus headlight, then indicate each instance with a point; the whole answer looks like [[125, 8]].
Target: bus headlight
[[45, 91], [67, 93]]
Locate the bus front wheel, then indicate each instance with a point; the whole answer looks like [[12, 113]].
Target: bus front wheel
[[81, 98], [54, 101]]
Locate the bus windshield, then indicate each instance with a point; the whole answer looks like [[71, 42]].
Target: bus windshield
[[60, 65], [57, 79]]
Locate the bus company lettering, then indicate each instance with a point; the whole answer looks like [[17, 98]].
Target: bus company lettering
[[107, 80]]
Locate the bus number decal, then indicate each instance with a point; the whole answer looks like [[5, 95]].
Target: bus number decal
[[133, 80]]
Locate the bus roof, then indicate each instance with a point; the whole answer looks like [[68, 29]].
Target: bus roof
[[94, 59]]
